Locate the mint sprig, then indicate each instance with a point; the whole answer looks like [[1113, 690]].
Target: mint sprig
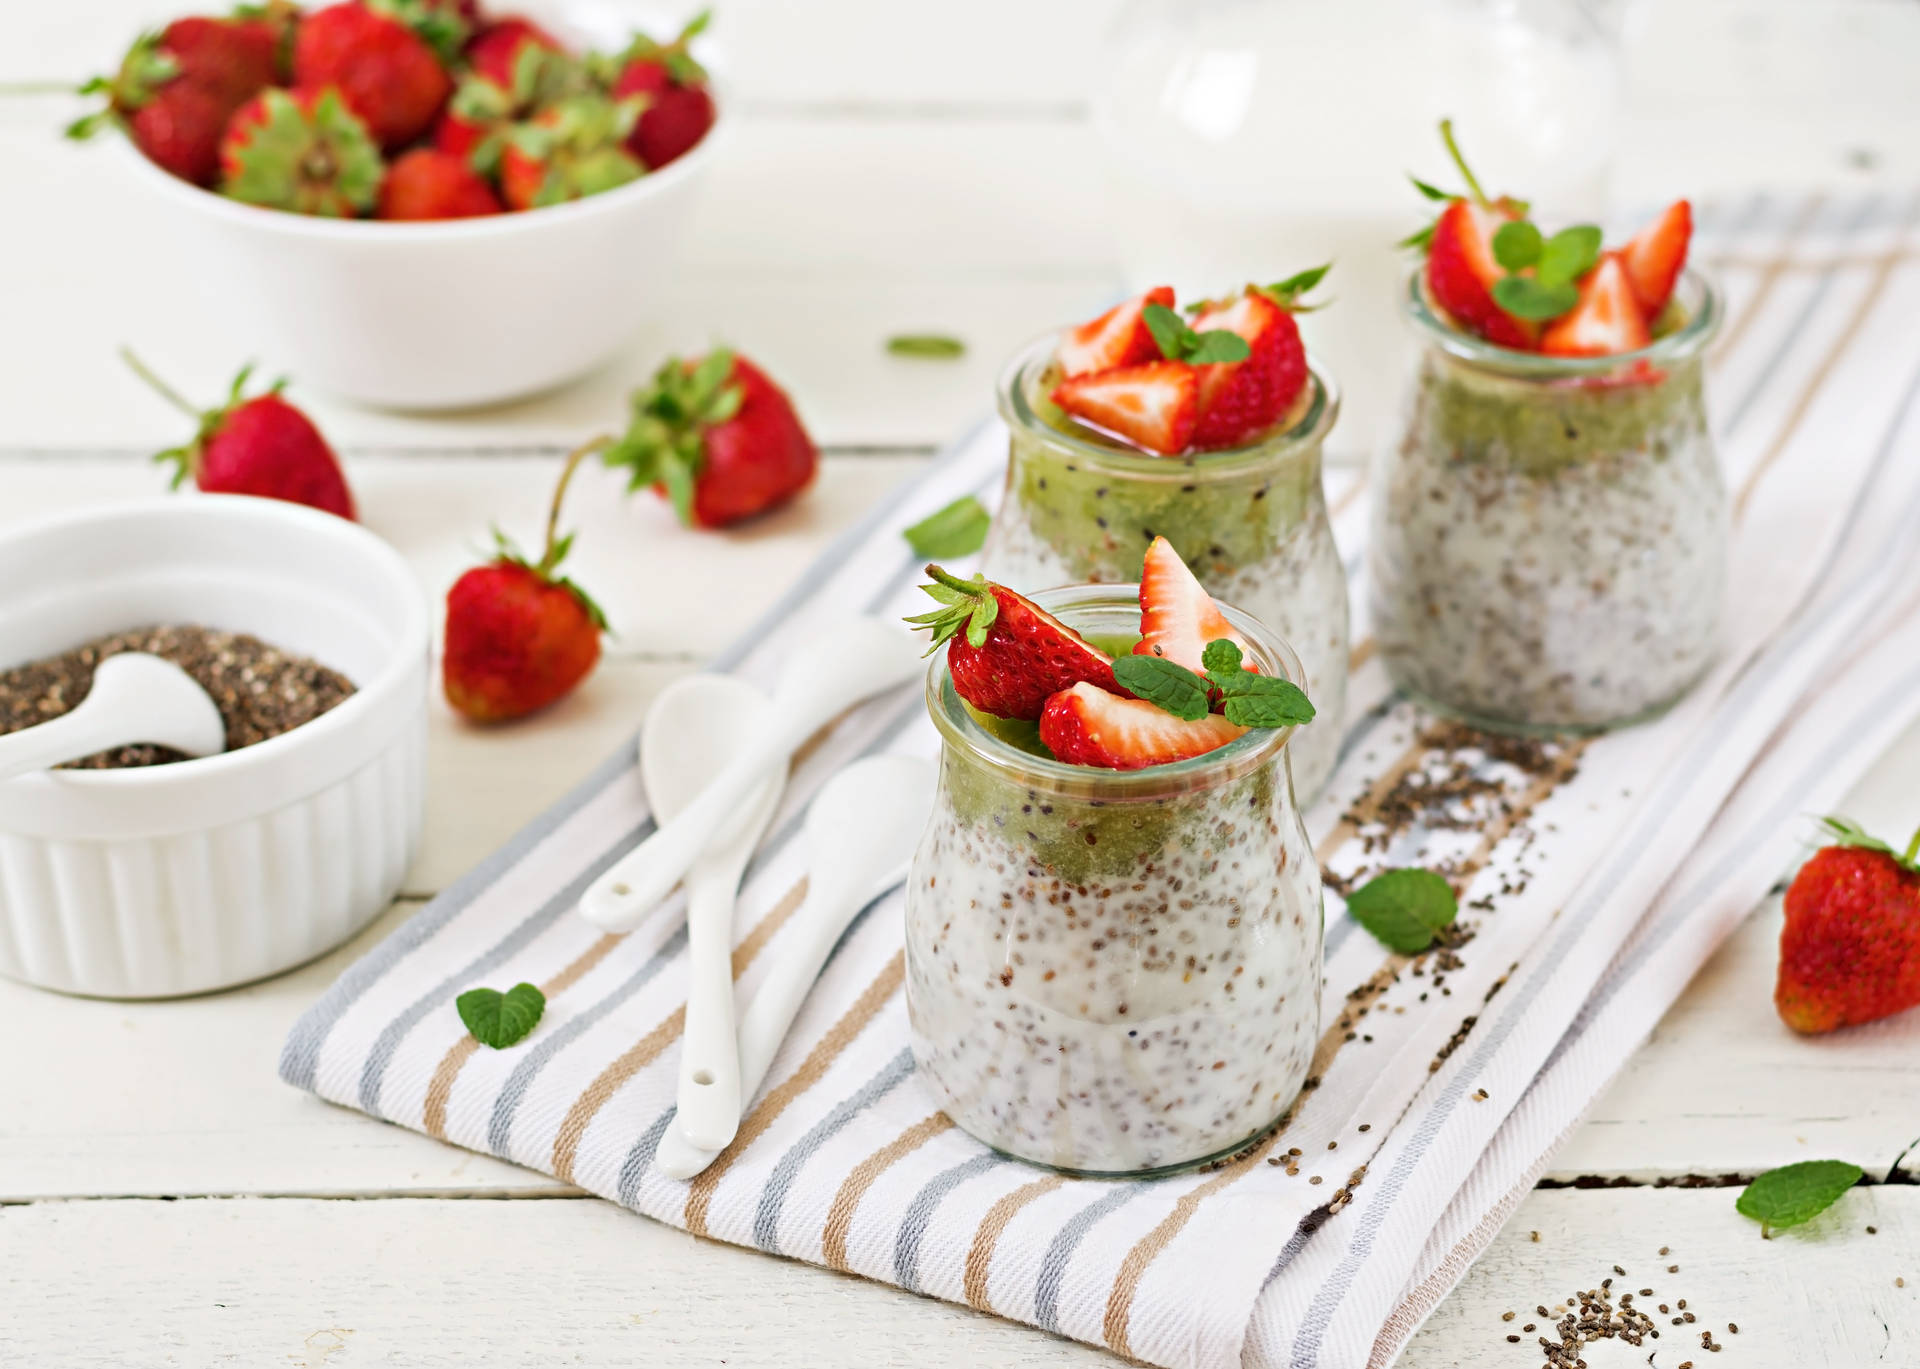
[[1179, 342], [1795, 1193], [500, 1019], [960, 529], [1166, 684], [1555, 264], [1404, 909], [1249, 699]]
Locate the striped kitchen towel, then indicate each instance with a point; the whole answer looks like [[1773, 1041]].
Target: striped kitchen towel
[[1596, 875]]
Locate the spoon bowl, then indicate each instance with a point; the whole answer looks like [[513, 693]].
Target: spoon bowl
[[135, 698]]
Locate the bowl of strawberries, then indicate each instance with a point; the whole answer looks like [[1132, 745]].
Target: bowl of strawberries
[[420, 204]]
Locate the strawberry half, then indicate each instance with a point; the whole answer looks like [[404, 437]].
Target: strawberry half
[[1655, 256], [1156, 406], [1087, 725], [1461, 272], [1177, 616], [1240, 400], [1606, 322], [1117, 338], [1006, 654]]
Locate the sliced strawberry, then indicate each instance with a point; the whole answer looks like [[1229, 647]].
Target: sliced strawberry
[[1087, 725], [1177, 616], [1239, 400], [1155, 406], [1461, 272], [1606, 322], [1654, 258], [1118, 337], [1025, 655]]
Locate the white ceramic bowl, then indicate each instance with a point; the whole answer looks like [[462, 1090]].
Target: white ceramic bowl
[[182, 878], [436, 315]]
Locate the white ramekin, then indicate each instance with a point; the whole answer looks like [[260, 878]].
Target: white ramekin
[[182, 878], [436, 315]]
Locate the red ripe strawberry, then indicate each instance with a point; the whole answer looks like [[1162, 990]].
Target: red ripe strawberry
[[495, 50], [523, 77], [1461, 272], [1850, 949], [1118, 337], [568, 151], [1087, 725], [1177, 615], [429, 184], [520, 637], [303, 151], [176, 89], [678, 106], [261, 446], [1654, 258], [1606, 322], [719, 438], [1240, 400], [1006, 653], [1155, 406], [388, 74]]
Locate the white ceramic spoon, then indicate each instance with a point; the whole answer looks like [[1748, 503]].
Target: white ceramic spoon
[[135, 698], [693, 731], [836, 668], [861, 831]]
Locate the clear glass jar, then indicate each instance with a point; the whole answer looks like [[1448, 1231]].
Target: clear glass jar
[[1549, 547], [1113, 972], [1251, 521]]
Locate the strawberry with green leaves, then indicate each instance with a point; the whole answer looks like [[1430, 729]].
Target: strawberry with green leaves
[[388, 74], [568, 150], [673, 88], [519, 635], [516, 70], [301, 150], [1242, 400], [718, 438], [1007, 655], [1850, 948]]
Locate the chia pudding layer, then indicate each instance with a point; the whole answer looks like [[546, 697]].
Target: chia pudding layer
[[1252, 522], [1549, 542], [1113, 972]]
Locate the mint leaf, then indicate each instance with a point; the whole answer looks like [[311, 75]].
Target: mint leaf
[[1795, 1193], [1525, 297], [500, 1019], [1402, 909], [1568, 254], [1178, 342], [1163, 683], [1516, 245], [1261, 700], [1221, 654], [927, 346], [1217, 347], [960, 529]]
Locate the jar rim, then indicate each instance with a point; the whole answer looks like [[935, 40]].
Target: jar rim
[[1259, 746], [1016, 409], [1698, 293]]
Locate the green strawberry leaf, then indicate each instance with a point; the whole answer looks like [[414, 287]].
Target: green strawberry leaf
[[1287, 293], [960, 529], [968, 605], [1569, 254], [1525, 297], [1795, 1193], [1432, 192], [1403, 909], [1420, 241], [1166, 684], [500, 1019], [1517, 244], [926, 346]]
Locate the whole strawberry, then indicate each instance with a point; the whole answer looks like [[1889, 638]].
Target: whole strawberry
[[176, 89], [388, 74], [1850, 949], [301, 150], [261, 446], [567, 151], [1006, 654], [679, 107], [429, 184], [519, 637], [518, 70], [497, 49], [719, 438]]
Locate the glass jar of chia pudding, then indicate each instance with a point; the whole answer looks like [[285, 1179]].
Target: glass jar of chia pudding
[[1549, 544], [1113, 972], [1252, 521]]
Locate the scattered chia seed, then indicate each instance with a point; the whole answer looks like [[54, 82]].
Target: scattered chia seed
[[260, 690]]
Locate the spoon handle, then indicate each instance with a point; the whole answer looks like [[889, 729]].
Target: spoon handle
[[66, 738], [709, 1088]]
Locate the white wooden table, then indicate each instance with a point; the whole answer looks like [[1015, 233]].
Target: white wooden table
[[925, 172]]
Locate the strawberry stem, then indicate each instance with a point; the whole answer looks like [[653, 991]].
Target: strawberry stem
[[1453, 151], [164, 390], [549, 555]]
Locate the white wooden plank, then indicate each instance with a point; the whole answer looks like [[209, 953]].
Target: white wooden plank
[[1822, 1294]]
